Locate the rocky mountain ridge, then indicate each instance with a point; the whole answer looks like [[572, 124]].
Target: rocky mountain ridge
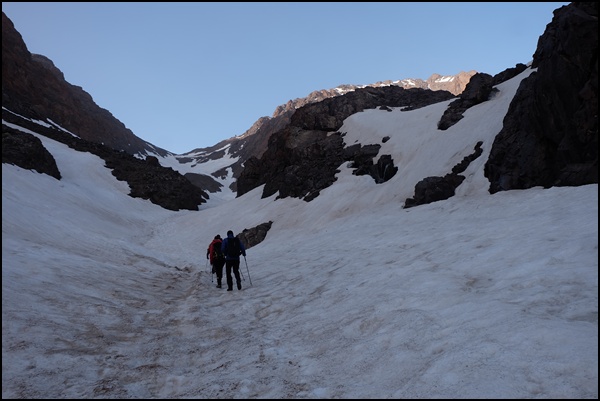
[[454, 84], [254, 141], [550, 134]]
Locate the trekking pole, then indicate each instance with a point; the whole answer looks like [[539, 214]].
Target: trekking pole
[[247, 270], [206, 270]]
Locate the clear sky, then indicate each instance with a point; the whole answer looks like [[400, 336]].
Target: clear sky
[[188, 75], [348, 297]]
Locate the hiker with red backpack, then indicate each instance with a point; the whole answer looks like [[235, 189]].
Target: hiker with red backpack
[[232, 247], [217, 259]]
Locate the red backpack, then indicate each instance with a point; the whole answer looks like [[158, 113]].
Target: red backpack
[[215, 249]]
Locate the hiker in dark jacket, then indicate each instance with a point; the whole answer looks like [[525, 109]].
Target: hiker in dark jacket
[[217, 260], [232, 249]]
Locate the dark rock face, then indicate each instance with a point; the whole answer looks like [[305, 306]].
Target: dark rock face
[[32, 86], [253, 236], [147, 179], [303, 158], [361, 158], [203, 181], [550, 133], [433, 189], [305, 163], [329, 114], [509, 73], [477, 91], [28, 152], [160, 185]]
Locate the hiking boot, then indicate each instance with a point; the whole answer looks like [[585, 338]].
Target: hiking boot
[[239, 286], [230, 289], [218, 285]]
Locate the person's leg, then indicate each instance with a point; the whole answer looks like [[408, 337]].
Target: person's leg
[[236, 272], [219, 271], [228, 265]]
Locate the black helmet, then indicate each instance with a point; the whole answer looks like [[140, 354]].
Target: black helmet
[[217, 236]]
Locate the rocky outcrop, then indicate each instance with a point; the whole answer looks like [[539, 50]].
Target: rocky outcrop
[[361, 158], [454, 84], [550, 133], [203, 181], [253, 236], [433, 189], [477, 91], [28, 152]]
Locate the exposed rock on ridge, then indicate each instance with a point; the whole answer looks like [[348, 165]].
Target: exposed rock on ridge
[[454, 84], [28, 152]]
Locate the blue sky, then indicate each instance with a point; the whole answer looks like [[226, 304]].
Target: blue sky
[[188, 75]]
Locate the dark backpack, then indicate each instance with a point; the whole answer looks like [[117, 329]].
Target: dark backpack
[[216, 249], [233, 247]]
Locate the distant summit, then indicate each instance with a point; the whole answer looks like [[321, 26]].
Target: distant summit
[[454, 84]]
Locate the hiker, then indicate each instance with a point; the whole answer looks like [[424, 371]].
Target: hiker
[[217, 260], [232, 248]]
